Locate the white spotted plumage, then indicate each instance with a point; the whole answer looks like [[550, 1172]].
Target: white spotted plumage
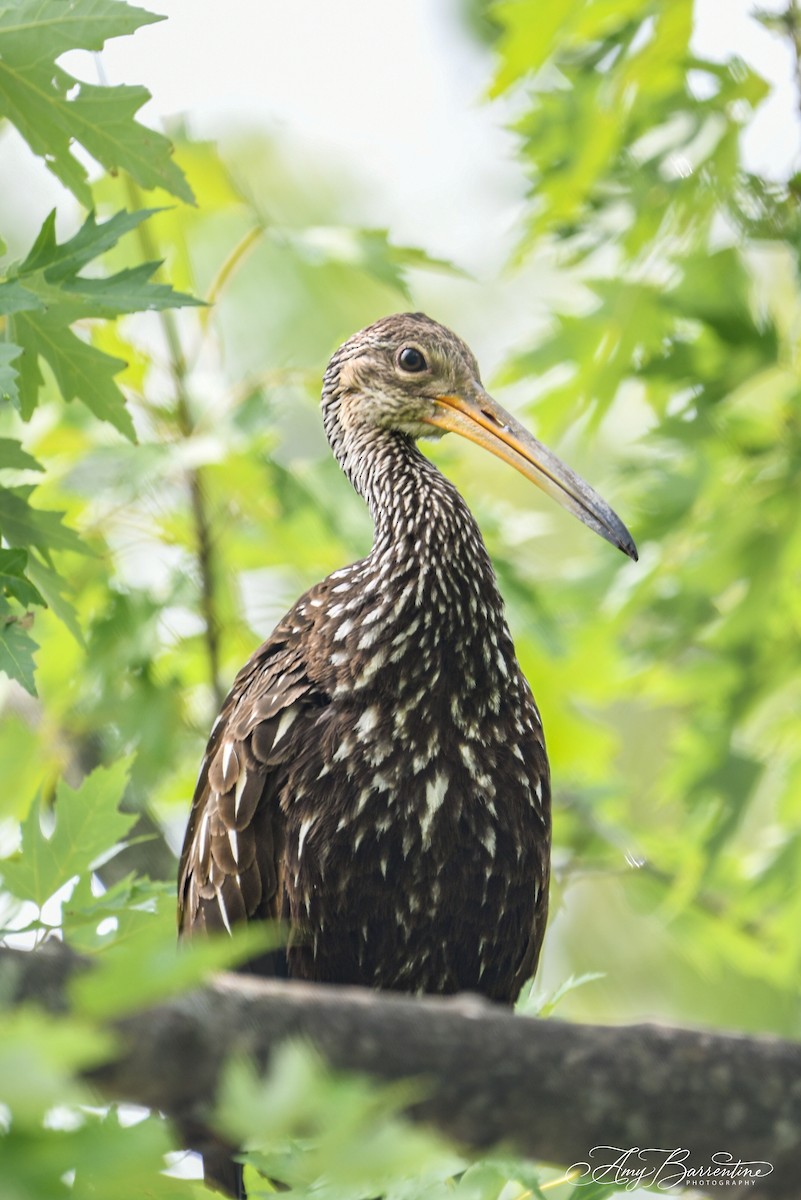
[[377, 779]]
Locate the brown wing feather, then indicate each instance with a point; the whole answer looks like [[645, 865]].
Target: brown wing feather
[[231, 864]]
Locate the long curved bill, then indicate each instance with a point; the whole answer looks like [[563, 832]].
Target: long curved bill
[[483, 421]]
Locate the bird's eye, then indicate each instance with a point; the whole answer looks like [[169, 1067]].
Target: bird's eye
[[410, 359]]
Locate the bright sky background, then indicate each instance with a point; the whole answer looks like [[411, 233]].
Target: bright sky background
[[392, 90]]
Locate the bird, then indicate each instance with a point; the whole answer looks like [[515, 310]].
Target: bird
[[377, 777]]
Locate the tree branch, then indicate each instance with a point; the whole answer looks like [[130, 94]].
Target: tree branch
[[550, 1089]]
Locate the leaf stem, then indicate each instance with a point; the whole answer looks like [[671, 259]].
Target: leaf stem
[[240, 250]]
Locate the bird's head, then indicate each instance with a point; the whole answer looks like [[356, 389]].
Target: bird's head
[[410, 375]]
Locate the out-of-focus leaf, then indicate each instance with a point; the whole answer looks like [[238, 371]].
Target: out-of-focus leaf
[[13, 579], [9, 373], [37, 1058], [23, 525], [370, 250], [87, 825], [12, 455], [351, 1134], [143, 962], [535, 1003], [17, 647]]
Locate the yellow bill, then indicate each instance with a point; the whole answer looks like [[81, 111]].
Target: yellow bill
[[482, 420]]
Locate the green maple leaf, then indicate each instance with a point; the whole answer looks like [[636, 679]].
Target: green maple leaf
[[22, 528], [17, 647], [54, 590], [13, 456], [81, 371], [65, 260], [13, 580], [52, 110], [16, 298], [46, 295], [22, 525], [87, 826], [8, 373]]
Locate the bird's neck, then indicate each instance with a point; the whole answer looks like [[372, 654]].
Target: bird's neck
[[419, 619], [424, 532], [413, 503]]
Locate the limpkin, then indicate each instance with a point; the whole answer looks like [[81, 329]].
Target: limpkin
[[377, 777]]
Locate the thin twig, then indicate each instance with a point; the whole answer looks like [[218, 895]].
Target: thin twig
[[793, 20], [201, 521]]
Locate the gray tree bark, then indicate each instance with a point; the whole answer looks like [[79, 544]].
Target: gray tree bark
[[548, 1089]]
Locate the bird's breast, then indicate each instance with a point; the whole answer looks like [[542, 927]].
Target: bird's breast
[[416, 818], [407, 856]]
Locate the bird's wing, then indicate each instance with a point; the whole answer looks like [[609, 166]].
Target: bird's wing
[[231, 865], [535, 763]]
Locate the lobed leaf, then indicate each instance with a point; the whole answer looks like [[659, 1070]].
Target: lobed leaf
[[52, 110], [17, 647], [46, 295], [23, 525], [88, 825]]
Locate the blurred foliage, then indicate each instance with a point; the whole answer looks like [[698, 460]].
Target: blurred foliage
[[685, 331], [42, 297], [154, 531]]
